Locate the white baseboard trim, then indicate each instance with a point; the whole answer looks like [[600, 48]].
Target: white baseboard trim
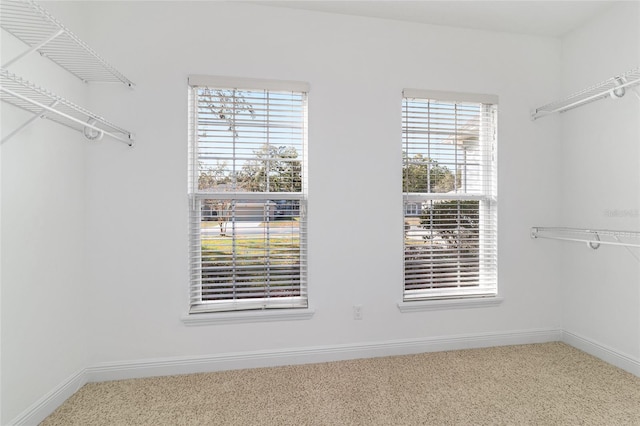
[[605, 353], [49, 402], [271, 358], [307, 355]]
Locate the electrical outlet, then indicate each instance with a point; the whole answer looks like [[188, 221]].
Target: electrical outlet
[[357, 312]]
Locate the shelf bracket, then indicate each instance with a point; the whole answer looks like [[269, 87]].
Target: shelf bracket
[[40, 114], [33, 49]]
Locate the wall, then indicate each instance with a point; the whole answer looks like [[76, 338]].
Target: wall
[[601, 185], [357, 68], [128, 223], [44, 295]]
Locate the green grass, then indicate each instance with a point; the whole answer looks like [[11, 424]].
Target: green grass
[[250, 267], [281, 250], [211, 224], [280, 224]]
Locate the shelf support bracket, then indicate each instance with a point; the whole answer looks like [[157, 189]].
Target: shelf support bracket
[[40, 114], [33, 49]]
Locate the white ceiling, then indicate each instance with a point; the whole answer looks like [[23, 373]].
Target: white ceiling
[[545, 18]]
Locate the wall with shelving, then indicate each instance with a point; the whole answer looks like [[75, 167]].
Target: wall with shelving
[[45, 299], [600, 149]]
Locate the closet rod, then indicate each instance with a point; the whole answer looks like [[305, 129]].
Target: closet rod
[[614, 87], [592, 237], [44, 104]]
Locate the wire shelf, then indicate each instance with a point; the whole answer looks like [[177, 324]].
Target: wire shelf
[[33, 25], [44, 104], [592, 237], [614, 87]]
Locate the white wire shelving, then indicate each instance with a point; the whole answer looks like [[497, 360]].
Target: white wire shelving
[[41, 32], [33, 25], [44, 104], [614, 87], [592, 237]]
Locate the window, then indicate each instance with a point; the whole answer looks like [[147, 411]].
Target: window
[[450, 198], [247, 191]]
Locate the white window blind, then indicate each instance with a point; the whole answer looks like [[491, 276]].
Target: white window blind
[[450, 195], [248, 198]]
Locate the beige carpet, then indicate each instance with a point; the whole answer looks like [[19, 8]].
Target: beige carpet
[[542, 384]]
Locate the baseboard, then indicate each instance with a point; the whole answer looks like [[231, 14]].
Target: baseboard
[[307, 355], [271, 358], [607, 354], [49, 402]]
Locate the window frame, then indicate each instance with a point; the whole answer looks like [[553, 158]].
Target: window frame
[[486, 292], [251, 308]]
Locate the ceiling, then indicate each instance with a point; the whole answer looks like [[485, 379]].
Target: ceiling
[[543, 18]]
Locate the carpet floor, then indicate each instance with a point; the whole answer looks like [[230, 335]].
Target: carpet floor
[[538, 384]]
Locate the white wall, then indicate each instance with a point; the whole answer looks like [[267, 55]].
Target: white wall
[[128, 224], [44, 292], [357, 68], [600, 148]]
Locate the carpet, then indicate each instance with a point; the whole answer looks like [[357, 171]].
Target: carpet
[[538, 384]]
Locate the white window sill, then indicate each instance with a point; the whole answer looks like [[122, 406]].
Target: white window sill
[[463, 303], [240, 317]]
